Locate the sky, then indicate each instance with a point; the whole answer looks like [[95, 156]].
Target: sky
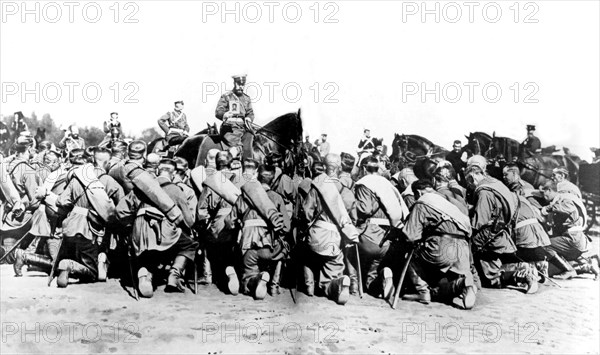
[[348, 65]]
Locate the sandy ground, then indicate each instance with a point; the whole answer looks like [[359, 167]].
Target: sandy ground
[[102, 318]]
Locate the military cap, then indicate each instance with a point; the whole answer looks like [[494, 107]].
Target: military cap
[[45, 145], [347, 159], [530, 127], [178, 102], [21, 147], [96, 150], [477, 160], [561, 170], [24, 139], [250, 163], [167, 162], [324, 134], [372, 162], [136, 149], [239, 78], [76, 156], [223, 159], [182, 164], [318, 167], [266, 169], [273, 158]]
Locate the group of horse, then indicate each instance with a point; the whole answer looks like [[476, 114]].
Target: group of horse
[[535, 168]]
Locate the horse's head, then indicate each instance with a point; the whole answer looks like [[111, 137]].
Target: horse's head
[[399, 145], [212, 129]]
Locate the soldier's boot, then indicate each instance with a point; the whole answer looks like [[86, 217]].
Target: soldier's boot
[[521, 278], [102, 267], [309, 281], [145, 283], [542, 267], [66, 267], [567, 271], [423, 294], [467, 293], [338, 290], [23, 258], [19, 262], [274, 288], [233, 284], [8, 244], [585, 266], [175, 280], [257, 285]]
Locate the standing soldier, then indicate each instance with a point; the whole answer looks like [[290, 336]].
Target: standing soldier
[[10, 201], [18, 125], [89, 211], [329, 222], [569, 217], [156, 238], [4, 137], [381, 210], [214, 205], [262, 216], [175, 126], [493, 218], [235, 110]]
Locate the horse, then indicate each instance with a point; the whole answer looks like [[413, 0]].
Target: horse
[[282, 135], [507, 147], [478, 143], [407, 148], [157, 145]]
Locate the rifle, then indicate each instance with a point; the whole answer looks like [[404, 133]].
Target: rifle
[[359, 272], [402, 275], [14, 247]]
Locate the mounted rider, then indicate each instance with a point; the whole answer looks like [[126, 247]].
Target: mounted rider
[[531, 145], [175, 126], [235, 110]]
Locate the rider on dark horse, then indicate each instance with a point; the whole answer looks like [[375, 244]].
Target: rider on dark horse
[[235, 110], [110, 126], [531, 146], [175, 126]]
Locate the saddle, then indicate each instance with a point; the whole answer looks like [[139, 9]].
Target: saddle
[[216, 142]]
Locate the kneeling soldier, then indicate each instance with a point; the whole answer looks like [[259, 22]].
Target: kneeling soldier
[[262, 215]]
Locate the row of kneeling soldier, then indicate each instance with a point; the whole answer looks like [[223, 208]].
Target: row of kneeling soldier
[[251, 228]]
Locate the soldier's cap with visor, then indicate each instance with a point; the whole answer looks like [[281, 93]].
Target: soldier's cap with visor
[[239, 78], [223, 159], [347, 159], [167, 163], [178, 102], [182, 164], [136, 149], [77, 156], [561, 170], [530, 128]]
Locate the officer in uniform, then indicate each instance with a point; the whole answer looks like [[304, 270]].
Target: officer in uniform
[[531, 145], [235, 110], [366, 146], [72, 140], [175, 126]]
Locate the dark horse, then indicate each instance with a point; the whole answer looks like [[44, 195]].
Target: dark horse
[[157, 145], [478, 143], [406, 148], [282, 135]]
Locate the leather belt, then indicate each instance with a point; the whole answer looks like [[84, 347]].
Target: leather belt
[[326, 225], [254, 223], [526, 223], [378, 221]]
